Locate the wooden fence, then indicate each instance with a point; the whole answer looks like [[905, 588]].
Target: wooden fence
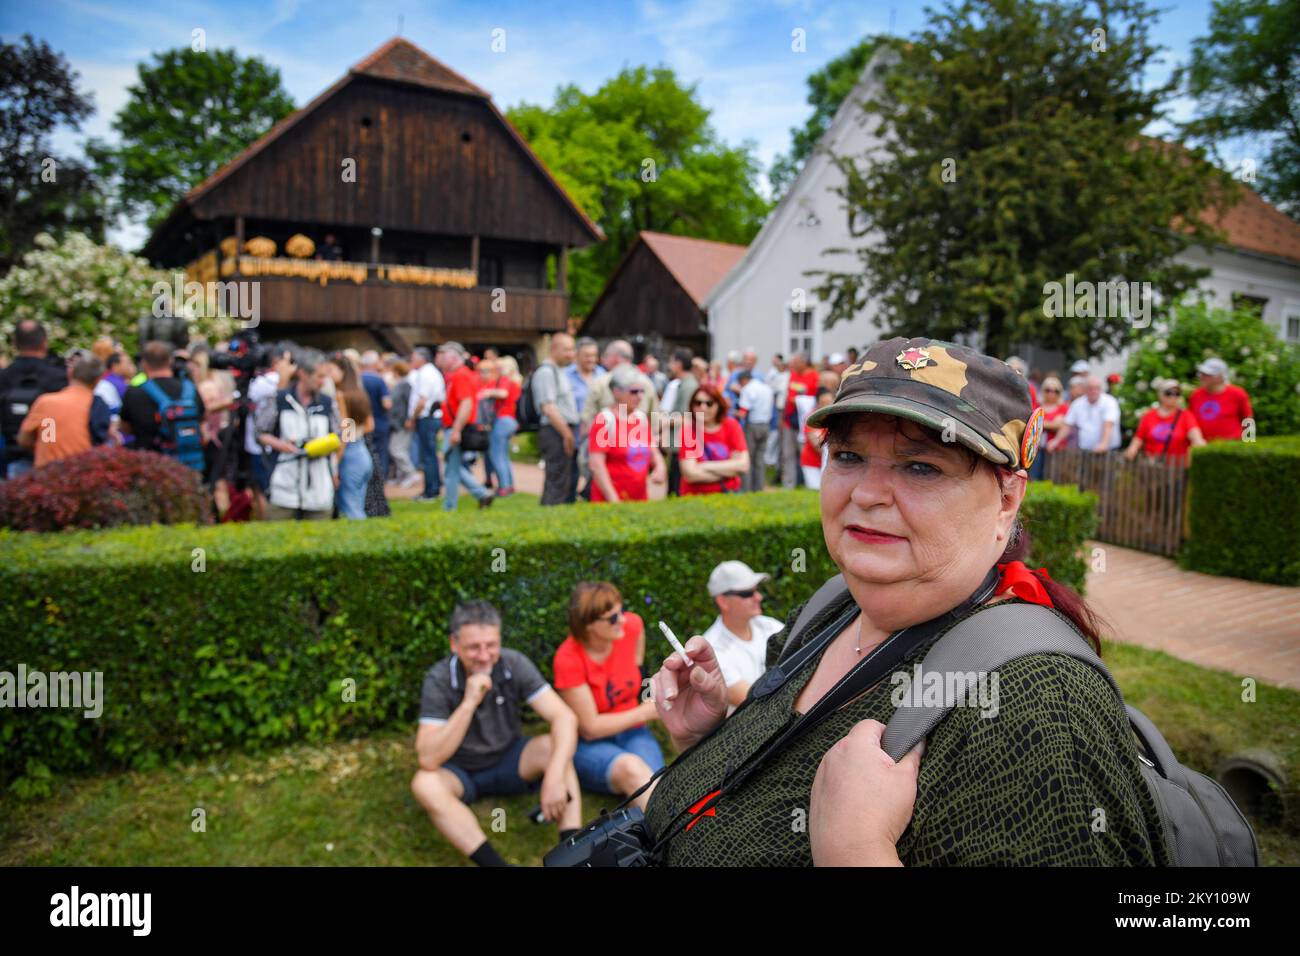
[[1142, 503]]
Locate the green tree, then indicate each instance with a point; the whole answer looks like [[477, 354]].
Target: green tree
[[189, 113], [639, 153], [1017, 158], [1245, 75], [827, 89], [1266, 367], [39, 191]]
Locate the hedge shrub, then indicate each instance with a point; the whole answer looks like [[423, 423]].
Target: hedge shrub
[[244, 635], [104, 488], [1244, 510]]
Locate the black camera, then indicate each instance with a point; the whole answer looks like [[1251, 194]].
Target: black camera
[[620, 838], [244, 358]]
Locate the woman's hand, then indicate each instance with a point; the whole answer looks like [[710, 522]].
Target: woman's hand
[[691, 700], [861, 800]]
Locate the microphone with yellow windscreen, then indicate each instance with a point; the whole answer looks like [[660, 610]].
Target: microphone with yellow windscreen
[[320, 447]]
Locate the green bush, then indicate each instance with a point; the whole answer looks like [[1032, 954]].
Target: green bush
[[248, 635], [1244, 510], [1264, 365]]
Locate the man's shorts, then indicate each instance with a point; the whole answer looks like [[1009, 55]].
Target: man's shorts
[[499, 780]]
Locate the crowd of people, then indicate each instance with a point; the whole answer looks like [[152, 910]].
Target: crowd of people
[[608, 427], [470, 743]]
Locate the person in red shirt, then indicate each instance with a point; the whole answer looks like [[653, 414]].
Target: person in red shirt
[[1219, 408], [505, 385], [459, 411], [810, 457], [714, 453], [599, 673], [1168, 430], [804, 380], [622, 451]]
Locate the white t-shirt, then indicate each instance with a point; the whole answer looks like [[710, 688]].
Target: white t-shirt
[[1089, 418], [756, 397], [739, 660], [426, 383]]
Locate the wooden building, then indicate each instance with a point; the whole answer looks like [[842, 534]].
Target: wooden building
[[446, 225], [654, 296]]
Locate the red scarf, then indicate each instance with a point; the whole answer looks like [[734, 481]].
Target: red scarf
[[1025, 583]]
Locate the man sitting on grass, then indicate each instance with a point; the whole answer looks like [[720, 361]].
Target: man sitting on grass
[[469, 743]]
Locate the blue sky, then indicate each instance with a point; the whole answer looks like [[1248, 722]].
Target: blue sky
[[737, 51]]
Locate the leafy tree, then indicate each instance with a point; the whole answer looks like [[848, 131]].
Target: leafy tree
[[189, 113], [80, 290], [1016, 157], [827, 89], [639, 154], [1266, 367], [38, 190], [1245, 75]]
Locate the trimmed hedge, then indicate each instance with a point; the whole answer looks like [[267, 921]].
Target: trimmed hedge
[[1244, 512], [244, 635]]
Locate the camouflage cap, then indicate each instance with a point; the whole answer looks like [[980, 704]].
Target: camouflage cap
[[981, 401]]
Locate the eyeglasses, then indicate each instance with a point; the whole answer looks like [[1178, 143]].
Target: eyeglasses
[[703, 403], [614, 618], [1054, 390], [1174, 392], [742, 594], [635, 391]]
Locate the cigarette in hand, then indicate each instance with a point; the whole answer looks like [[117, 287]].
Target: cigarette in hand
[[677, 645]]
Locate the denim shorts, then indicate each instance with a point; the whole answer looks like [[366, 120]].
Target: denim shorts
[[595, 758], [499, 780]]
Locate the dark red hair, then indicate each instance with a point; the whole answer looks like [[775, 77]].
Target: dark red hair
[[712, 391]]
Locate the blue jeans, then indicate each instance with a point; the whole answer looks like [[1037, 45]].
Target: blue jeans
[[354, 475], [459, 474], [498, 457], [18, 467], [426, 437], [594, 759]]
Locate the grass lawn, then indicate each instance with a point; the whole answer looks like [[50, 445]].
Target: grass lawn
[[348, 803]]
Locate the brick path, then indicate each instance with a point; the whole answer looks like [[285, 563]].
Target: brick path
[[1242, 627]]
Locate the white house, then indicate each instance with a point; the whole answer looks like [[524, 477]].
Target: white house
[[766, 300]]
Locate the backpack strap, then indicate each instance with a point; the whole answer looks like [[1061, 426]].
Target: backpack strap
[[155, 392], [984, 642], [828, 594]]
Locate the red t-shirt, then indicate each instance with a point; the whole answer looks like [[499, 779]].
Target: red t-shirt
[[718, 444], [1153, 429], [810, 454], [626, 444], [1220, 415], [805, 384], [506, 406], [461, 384], [615, 682]]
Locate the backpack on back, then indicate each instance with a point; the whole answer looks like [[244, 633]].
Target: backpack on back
[[1201, 826], [18, 399], [527, 414], [179, 433]]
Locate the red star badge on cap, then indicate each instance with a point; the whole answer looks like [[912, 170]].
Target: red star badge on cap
[[914, 358]]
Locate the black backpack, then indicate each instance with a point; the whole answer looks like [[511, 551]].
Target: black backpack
[[527, 414], [1201, 824], [18, 399]]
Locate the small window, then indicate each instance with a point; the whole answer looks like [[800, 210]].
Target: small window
[[1293, 328], [801, 333]]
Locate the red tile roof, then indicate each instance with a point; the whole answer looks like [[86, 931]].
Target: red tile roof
[[1254, 225], [697, 264]]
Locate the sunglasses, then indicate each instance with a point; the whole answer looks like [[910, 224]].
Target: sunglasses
[[612, 618], [1172, 391], [742, 594], [635, 391], [703, 403], [1055, 390]]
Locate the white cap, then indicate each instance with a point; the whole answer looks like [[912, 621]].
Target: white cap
[[1080, 367], [734, 576], [837, 358]]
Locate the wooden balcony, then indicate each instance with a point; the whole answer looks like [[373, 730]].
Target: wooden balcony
[[296, 300]]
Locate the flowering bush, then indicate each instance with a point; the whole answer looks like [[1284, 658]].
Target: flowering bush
[[80, 290], [1260, 362], [104, 488]]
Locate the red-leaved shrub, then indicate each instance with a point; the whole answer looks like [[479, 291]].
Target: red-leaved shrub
[[104, 488]]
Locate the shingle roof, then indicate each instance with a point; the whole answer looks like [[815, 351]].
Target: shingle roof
[[697, 264], [1254, 225]]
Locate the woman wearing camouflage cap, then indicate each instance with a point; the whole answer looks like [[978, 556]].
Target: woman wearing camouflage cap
[[928, 443]]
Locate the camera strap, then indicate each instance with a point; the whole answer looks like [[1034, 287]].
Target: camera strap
[[886, 657]]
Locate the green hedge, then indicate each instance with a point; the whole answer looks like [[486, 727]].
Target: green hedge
[[1244, 510], [254, 649]]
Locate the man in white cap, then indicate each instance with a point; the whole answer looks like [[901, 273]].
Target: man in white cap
[[1080, 368], [1219, 408], [739, 634]]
